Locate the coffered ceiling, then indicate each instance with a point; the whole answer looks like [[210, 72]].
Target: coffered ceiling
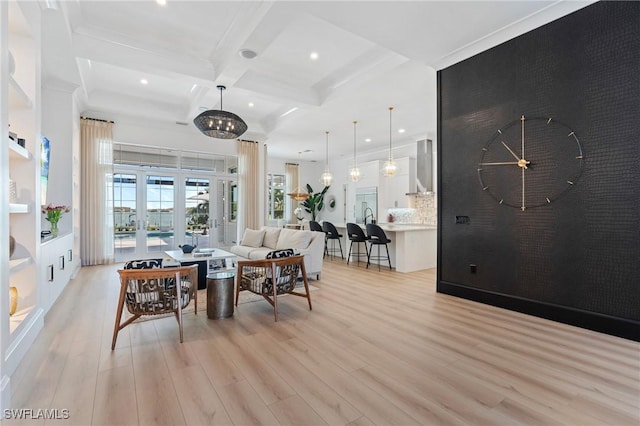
[[370, 55]]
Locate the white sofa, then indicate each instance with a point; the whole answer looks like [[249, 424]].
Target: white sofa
[[256, 244]]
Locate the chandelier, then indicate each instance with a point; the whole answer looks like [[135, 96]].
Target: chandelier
[[354, 173], [326, 177], [220, 124], [389, 168]]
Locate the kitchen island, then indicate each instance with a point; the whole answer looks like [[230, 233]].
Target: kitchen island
[[413, 247]]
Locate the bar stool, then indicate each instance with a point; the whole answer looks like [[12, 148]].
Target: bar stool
[[377, 236], [356, 235], [315, 226], [333, 235]]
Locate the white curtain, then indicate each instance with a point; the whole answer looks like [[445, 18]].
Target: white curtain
[[248, 186], [96, 192], [292, 185]]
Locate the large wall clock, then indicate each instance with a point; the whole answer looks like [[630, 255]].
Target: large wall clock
[[530, 162]]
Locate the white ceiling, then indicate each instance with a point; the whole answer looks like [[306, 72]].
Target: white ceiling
[[372, 55]]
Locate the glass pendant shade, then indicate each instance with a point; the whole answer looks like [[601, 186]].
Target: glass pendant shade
[[389, 169], [220, 124], [354, 172], [326, 177]]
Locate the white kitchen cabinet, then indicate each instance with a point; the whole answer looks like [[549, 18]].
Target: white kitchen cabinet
[[394, 189], [58, 264]]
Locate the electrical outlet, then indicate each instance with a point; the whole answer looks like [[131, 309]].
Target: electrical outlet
[[473, 268], [463, 220]]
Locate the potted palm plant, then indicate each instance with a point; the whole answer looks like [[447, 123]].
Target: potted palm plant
[[315, 202]]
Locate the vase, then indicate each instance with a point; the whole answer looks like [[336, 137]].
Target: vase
[[13, 300], [13, 191], [54, 229]]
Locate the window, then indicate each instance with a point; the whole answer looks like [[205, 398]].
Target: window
[[276, 190]]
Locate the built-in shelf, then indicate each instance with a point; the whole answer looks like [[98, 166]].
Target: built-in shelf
[[16, 151], [48, 238], [15, 265], [17, 97], [18, 317], [18, 208]]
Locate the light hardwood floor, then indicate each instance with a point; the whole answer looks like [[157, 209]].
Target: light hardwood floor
[[378, 348]]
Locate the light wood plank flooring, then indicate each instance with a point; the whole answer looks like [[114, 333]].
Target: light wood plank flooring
[[378, 348]]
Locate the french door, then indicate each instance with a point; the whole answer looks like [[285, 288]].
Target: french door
[[225, 214], [159, 211], [144, 214], [199, 202]]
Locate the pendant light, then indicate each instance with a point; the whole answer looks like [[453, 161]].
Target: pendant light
[[354, 173], [220, 124], [326, 177], [297, 194], [389, 168]]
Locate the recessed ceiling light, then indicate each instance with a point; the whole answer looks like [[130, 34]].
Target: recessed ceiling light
[[367, 140], [144, 81], [162, 2], [247, 53], [314, 56], [251, 104], [401, 130]]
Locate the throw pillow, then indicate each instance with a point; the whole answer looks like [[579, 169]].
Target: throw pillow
[[278, 254], [271, 237], [291, 238], [143, 264], [252, 238]]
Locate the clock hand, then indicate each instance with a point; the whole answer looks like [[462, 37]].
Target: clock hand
[[522, 163], [523, 166], [511, 163], [523, 207], [509, 149]]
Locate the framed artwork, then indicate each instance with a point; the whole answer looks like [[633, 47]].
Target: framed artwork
[[45, 156]]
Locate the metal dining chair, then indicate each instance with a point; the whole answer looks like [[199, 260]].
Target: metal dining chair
[[356, 235], [332, 235], [377, 237]]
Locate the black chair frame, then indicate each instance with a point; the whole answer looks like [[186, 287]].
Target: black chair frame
[[356, 235], [331, 234], [377, 237]]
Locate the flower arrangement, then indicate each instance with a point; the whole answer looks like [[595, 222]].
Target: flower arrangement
[[298, 213], [53, 215]]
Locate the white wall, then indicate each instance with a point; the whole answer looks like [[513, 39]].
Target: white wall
[[57, 126]]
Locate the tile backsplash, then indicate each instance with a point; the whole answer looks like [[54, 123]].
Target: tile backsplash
[[422, 210]]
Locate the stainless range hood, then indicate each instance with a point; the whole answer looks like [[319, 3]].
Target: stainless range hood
[[424, 167]]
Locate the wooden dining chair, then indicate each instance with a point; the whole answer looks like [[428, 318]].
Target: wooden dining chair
[[271, 278], [155, 291]]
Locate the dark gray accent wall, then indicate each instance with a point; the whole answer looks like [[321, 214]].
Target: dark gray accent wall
[[576, 260]]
